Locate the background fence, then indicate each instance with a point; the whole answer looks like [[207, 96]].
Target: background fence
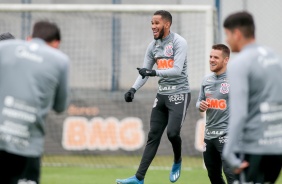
[[105, 44], [105, 48]]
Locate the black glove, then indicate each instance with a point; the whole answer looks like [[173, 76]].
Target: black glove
[[146, 72], [129, 95]]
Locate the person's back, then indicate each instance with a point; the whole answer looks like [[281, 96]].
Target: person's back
[[254, 147], [264, 71], [30, 73], [33, 80]]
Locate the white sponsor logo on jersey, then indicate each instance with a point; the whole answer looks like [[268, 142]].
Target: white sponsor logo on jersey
[[23, 52], [168, 49], [223, 139], [178, 98], [24, 181], [224, 89], [214, 132], [167, 88]]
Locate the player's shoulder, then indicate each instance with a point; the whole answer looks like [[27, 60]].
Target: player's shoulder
[[152, 43], [11, 43], [179, 38], [59, 54], [56, 54], [247, 56], [208, 78]]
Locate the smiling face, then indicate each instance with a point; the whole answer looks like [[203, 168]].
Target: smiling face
[[218, 61], [160, 27]]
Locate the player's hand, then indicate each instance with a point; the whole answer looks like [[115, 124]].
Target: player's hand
[[243, 165], [203, 106], [129, 95], [146, 72]]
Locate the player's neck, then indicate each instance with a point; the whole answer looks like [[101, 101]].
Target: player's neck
[[220, 72], [246, 42], [166, 35]]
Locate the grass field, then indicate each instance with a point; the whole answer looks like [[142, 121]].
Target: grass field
[[74, 175], [90, 174]]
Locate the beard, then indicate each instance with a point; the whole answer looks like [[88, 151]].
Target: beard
[[160, 35], [218, 68]]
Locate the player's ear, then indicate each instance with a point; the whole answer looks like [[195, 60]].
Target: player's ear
[[237, 34], [55, 44], [226, 59], [167, 24], [28, 38]]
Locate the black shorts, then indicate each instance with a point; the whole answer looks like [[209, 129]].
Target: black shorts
[[214, 161], [262, 169], [16, 169]]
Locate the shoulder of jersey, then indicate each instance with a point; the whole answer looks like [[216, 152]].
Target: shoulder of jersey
[[58, 53], [179, 37], [209, 77]]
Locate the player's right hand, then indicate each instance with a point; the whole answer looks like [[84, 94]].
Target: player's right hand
[[129, 95], [204, 106]]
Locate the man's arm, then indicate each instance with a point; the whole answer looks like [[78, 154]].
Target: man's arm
[[148, 63], [180, 55], [239, 89], [61, 95], [201, 97]]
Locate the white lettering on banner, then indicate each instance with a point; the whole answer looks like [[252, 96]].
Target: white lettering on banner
[[80, 133]]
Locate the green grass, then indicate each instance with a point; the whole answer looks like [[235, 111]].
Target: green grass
[[100, 170], [76, 175]]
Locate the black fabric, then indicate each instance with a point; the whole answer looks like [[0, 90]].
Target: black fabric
[[214, 161], [6, 36], [146, 72], [129, 95], [15, 168], [262, 169], [165, 113]]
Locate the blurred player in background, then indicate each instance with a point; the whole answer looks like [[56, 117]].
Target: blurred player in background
[[6, 36], [34, 78], [213, 99], [168, 51], [255, 126]]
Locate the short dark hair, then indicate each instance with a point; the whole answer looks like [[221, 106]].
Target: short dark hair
[[165, 15], [46, 30], [243, 21], [225, 50], [6, 36]]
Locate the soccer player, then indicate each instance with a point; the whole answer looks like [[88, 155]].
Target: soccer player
[[168, 51], [33, 80], [213, 98], [255, 124], [6, 36]]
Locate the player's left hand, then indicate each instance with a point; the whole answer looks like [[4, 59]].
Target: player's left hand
[[243, 165], [146, 72]]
